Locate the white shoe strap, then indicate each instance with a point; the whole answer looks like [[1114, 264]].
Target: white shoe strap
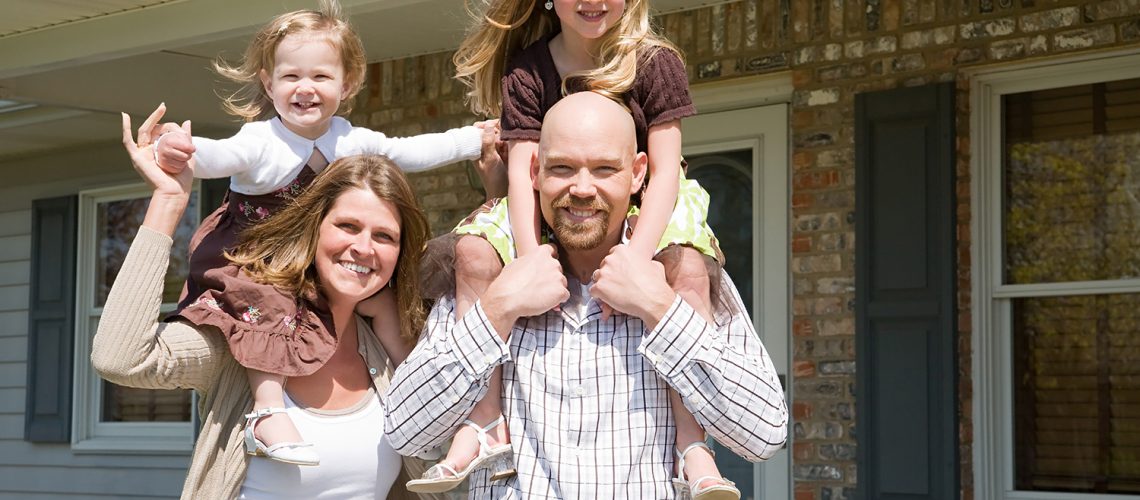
[[264, 412], [481, 433]]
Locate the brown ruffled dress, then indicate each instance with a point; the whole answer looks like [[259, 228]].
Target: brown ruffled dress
[[267, 329]]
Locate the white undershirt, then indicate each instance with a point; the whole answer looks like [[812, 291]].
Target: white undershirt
[[356, 460]]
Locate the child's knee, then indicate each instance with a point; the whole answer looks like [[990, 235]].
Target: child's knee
[[686, 269], [475, 257]]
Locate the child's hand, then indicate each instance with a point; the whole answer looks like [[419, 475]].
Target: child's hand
[[376, 305], [492, 171], [174, 148]]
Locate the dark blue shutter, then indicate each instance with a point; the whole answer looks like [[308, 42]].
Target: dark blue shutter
[[906, 382], [51, 321]]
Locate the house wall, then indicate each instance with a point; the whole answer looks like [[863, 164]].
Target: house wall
[[834, 50], [35, 470]]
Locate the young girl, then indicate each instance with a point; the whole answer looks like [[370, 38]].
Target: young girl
[[520, 59], [299, 72]]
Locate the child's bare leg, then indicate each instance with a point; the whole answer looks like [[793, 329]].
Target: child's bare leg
[[465, 445], [476, 266], [686, 272], [269, 392], [698, 462]]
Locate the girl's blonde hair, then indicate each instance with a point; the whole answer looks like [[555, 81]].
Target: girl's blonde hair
[[250, 102], [280, 250], [504, 27]]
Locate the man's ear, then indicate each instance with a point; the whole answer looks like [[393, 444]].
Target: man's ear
[[265, 82], [534, 170], [640, 166]]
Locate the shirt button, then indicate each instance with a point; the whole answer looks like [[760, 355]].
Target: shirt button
[[372, 371], [491, 359], [581, 391]]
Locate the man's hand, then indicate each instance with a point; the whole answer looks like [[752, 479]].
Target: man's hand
[[490, 165], [633, 285], [529, 286]]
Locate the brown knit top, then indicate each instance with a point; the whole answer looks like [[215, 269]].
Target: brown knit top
[[532, 85]]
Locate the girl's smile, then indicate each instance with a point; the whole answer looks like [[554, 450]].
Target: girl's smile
[[307, 83]]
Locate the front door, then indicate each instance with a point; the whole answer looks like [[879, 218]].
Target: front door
[[741, 158]]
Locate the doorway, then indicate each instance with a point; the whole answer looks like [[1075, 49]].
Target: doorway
[[741, 158]]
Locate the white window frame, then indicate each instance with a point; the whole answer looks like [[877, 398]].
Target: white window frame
[[88, 434], [991, 304]]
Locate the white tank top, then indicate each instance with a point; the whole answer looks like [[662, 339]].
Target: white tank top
[[356, 460]]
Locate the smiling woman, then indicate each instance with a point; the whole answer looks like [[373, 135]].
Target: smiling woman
[[361, 213], [358, 245], [339, 243]]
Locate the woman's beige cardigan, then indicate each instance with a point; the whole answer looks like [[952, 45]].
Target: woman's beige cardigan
[[132, 349]]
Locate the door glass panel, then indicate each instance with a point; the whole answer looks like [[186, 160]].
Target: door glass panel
[[727, 176]]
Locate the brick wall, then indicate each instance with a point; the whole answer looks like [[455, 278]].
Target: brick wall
[[833, 49], [416, 95]]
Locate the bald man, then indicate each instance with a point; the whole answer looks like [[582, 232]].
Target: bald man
[[585, 396]]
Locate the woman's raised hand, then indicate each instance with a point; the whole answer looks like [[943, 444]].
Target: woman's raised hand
[[171, 190]]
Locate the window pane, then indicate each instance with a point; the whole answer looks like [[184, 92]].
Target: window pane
[[117, 222], [1077, 393], [1072, 183], [127, 404]]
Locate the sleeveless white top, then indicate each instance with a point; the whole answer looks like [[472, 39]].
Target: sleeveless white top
[[356, 460]]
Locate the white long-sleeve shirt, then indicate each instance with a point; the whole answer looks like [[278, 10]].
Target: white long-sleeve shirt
[[265, 156], [586, 399]]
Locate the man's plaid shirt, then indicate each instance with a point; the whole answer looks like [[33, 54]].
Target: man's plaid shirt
[[586, 399]]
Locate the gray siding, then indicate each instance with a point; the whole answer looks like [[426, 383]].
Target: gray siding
[[29, 470]]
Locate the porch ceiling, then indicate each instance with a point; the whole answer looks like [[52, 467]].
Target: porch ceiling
[[80, 62], [49, 13]]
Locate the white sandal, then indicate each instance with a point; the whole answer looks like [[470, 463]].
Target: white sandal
[[686, 489], [443, 477], [290, 453]]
